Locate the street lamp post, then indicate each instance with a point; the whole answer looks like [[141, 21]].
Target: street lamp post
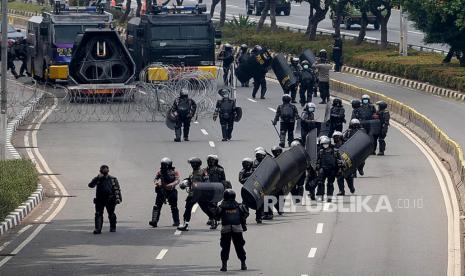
[[4, 48], [403, 51]]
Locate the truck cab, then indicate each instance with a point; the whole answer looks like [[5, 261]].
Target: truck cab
[[51, 38], [175, 37]]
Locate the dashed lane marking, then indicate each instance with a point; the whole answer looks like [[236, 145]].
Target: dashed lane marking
[[177, 233], [212, 144], [252, 100], [319, 228], [162, 254], [272, 109], [312, 252], [24, 229], [204, 131]]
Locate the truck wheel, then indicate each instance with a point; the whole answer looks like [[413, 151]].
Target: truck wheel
[[287, 12], [348, 24], [376, 26]]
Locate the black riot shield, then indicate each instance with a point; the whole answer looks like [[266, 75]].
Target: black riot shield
[[253, 65], [170, 120], [283, 73], [292, 164], [372, 127], [237, 114], [207, 191], [308, 56], [355, 151], [322, 115], [262, 182], [311, 146]]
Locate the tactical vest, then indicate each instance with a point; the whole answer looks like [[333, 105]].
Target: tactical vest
[[184, 107], [328, 159], [231, 216], [226, 109], [287, 112]]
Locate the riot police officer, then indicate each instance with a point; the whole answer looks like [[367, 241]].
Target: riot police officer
[[21, 54], [11, 58], [259, 80], [297, 71], [226, 110], [337, 117], [355, 126], [233, 217], [323, 67], [384, 117], [367, 110], [307, 120], [286, 113], [338, 139], [307, 83], [328, 166], [198, 175], [227, 56], [246, 171], [166, 180], [215, 173], [356, 104], [183, 110], [260, 154], [107, 195], [276, 151], [241, 57], [337, 53]]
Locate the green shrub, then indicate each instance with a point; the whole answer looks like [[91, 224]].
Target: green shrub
[[18, 179], [29, 7]]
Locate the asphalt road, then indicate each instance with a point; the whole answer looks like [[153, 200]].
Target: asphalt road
[[299, 18], [406, 241]]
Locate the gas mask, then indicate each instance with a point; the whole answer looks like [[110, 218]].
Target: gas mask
[[325, 146], [365, 101]]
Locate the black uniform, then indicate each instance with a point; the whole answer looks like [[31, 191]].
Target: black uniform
[[166, 190], [108, 195], [233, 217], [227, 56], [336, 119], [337, 54], [328, 165], [184, 110], [311, 182], [349, 133], [340, 178], [226, 108], [259, 81], [384, 117], [244, 174], [241, 57], [307, 85], [287, 114], [199, 175], [365, 112], [297, 71], [10, 61], [307, 123], [21, 54]]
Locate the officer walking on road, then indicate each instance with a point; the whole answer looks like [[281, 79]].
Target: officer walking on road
[[259, 80], [297, 71], [307, 120], [328, 166], [384, 117], [198, 175], [337, 117], [323, 67], [108, 195], [286, 113], [356, 104], [337, 53], [215, 173], [307, 83], [166, 180], [367, 110], [354, 126], [183, 110], [227, 56], [233, 217], [260, 155], [241, 57], [226, 110], [246, 171], [338, 139], [21, 54]]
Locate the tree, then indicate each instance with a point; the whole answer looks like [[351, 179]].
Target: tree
[[270, 6], [318, 11], [222, 10], [363, 6], [338, 7], [382, 10], [442, 22]]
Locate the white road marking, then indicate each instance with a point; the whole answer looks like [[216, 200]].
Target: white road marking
[[194, 208], [233, 6], [319, 228], [252, 100], [4, 245], [24, 229], [204, 131], [142, 92], [177, 233], [272, 109], [212, 144], [312, 252], [162, 254], [196, 122]]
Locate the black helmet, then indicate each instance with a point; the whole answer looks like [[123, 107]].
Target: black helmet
[[354, 124], [244, 47], [224, 93], [195, 162], [356, 103], [247, 163], [337, 102], [382, 105], [276, 151], [229, 194], [212, 160], [166, 163], [227, 46], [295, 61], [286, 98], [257, 48]]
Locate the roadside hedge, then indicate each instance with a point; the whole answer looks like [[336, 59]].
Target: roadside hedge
[[420, 66], [18, 180]]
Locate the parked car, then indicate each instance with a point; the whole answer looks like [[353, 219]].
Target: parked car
[[256, 7], [13, 34], [352, 16]]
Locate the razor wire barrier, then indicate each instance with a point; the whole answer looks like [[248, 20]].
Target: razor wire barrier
[[19, 95], [148, 100]]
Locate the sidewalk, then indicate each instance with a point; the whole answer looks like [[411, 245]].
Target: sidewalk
[[447, 114]]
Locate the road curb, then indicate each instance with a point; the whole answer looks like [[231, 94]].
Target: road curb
[[421, 86], [15, 217]]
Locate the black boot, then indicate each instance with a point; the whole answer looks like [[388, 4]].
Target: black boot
[[98, 224], [214, 225], [177, 133], [224, 266], [243, 265], [155, 217], [112, 219], [175, 214]]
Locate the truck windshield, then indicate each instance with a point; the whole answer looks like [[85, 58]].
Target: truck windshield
[[68, 33], [180, 32]]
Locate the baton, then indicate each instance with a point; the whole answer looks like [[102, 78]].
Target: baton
[[277, 132]]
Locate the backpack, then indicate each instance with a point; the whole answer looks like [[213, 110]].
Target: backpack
[[287, 112], [183, 107], [226, 108]]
